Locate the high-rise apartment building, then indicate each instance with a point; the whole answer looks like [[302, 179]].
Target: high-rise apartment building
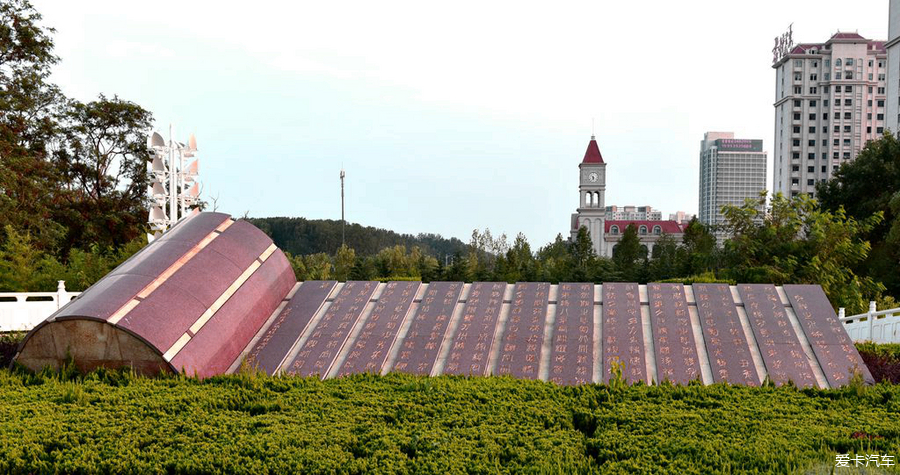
[[731, 170], [829, 101], [893, 64]]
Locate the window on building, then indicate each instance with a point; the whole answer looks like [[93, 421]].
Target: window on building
[[795, 168], [880, 117], [837, 62], [825, 116], [837, 88], [870, 63], [880, 91], [813, 90], [881, 76], [798, 63], [869, 115], [811, 182], [870, 78], [847, 142], [657, 230], [798, 76], [812, 103], [881, 101], [797, 103], [848, 102], [847, 115], [827, 63], [848, 88], [869, 129], [614, 229], [795, 181], [812, 130], [825, 102], [824, 168], [828, 76], [849, 61], [795, 155], [796, 116], [847, 129], [796, 142], [835, 156], [811, 156], [813, 77], [870, 103], [812, 117], [825, 89], [812, 143], [848, 75], [823, 156], [837, 128], [810, 169], [880, 64], [846, 155], [642, 229], [837, 76], [837, 142], [796, 129], [879, 130]]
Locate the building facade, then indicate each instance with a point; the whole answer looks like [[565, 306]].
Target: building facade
[[643, 213], [592, 213], [892, 48], [731, 170], [829, 101]]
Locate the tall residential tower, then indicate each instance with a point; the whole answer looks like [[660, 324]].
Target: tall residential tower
[[892, 121], [731, 170], [829, 101]]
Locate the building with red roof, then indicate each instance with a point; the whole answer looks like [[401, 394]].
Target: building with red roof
[[592, 212]]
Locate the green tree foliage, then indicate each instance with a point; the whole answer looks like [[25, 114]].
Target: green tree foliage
[[699, 253], [29, 110], [103, 159], [797, 242], [301, 236], [344, 260], [867, 185], [24, 267], [630, 256]]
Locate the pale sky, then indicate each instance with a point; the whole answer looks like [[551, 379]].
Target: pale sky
[[446, 117]]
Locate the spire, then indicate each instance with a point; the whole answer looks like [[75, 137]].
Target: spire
[[592, 155]]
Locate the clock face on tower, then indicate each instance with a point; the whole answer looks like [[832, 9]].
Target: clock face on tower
[[593, 177]]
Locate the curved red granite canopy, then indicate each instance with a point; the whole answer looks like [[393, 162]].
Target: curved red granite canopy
[[189, 302]]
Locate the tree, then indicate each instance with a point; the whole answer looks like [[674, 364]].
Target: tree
[[629, 256], [797, 242], [863, 187], [698, 253], [519, 262], [665, 261], [30, 107], [554, 261], [344, 260], [103, 160]]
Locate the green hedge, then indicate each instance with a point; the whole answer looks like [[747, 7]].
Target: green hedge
[[116, 423]]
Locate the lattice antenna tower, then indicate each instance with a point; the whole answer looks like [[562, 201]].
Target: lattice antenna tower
[[174, 190]]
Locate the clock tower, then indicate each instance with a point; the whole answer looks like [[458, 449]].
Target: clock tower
[[591, 212]]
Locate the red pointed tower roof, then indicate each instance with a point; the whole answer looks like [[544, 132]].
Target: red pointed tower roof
[[592, 155]]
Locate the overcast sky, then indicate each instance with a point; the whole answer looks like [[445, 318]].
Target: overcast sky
[[447, 118]]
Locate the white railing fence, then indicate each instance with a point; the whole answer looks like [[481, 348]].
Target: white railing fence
[[879, 326], [22, 311]]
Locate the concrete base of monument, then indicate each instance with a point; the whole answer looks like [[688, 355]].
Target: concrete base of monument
[[89, 344]]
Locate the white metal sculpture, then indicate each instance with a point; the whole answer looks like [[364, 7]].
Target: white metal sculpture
[[174, 189]]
